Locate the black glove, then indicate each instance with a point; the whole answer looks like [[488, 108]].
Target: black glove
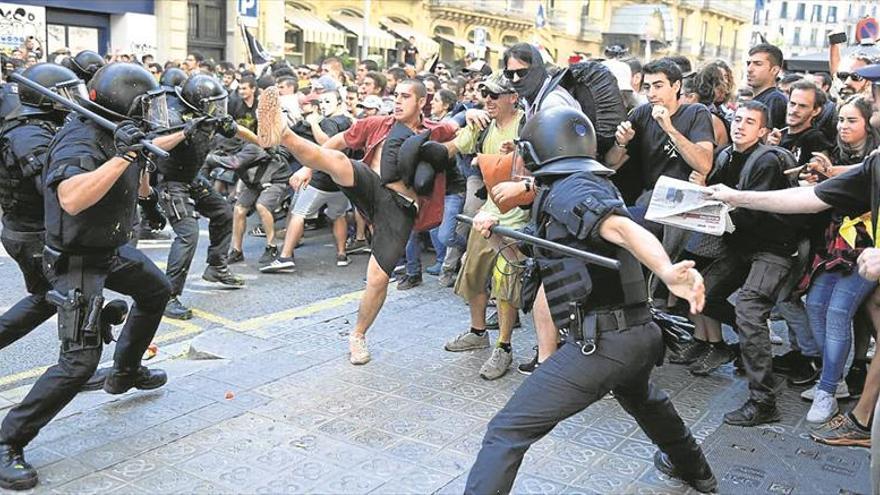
[[198, 125], [127, 138], [227, 127], [151, 211]]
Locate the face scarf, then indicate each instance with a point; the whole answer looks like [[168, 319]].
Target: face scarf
[[528, 87]]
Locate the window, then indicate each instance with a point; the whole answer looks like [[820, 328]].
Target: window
[[816, 16], [797, 36], [783, 13], [814, 36], [832, 15], [862, 10], [801, 12]]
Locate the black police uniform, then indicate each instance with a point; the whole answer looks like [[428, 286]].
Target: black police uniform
[[183, 191], [612, 342], [24, 143], [89, 250]]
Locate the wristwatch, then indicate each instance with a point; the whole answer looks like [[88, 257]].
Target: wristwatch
[[528, 183], [616, 143]]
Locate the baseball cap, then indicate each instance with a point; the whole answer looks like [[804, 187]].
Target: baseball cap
[[326, 83], [478, 66], [870, 72], [496, 83], [372, 102]]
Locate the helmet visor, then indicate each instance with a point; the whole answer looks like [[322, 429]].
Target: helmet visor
[[215, 106], [73, 90], [154, 109]]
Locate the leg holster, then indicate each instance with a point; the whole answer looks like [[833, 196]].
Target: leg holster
[[78, 285], [177, 202]]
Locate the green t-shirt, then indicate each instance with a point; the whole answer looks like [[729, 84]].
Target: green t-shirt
[[466, 142]]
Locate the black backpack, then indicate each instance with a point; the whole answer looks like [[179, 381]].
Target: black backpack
[[595, 89], [785, 159]]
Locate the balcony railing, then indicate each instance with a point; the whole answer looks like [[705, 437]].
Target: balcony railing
[[738, 9], [495, 7]]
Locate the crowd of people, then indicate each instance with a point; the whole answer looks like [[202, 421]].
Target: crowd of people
[[388, 157]]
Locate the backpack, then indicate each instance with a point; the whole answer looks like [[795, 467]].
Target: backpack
[[785, 160], [595, 88]]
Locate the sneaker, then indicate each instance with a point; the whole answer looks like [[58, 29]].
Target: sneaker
[[235, 256], [15, 472], [258, 231], [468, 341], [704, 482], [711, 361], [409, 282], [529, 367], [269, 255], [492, 321], [176, 310], [690, 352], [279, 265], [342, 260], [788, 361], [357, 348], [824, 408], [842, 431], [496, 366], [806, 372], [120, 381], [855, 379], [842, 392], [355, 246], [222, 275], [753, 413], [435, 269], [447, 279]]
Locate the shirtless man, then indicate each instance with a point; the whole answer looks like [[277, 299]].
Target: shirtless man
[[376, 188]]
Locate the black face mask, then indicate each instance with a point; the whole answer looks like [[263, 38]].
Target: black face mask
[[528, 87]]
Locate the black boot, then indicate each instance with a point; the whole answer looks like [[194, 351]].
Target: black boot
[[96, 382], [15, 472], [120, 381], [753, 413], [701, 479]]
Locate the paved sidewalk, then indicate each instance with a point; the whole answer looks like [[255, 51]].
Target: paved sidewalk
[[278, 409]]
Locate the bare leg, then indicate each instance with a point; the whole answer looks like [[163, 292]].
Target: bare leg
[[268, 223], [506, 320], [864, 409], [374, 297], [544, 327], [295, 226], [239, 222], [699, 327], [340, 232], [360, 227], [332, 162], [477, 305]]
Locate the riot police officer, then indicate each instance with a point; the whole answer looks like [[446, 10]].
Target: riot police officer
[[183, 191], [85, 64], [172, 78], [91, 185], [612, 342], [24, 143]]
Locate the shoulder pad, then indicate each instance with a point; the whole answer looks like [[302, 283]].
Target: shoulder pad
[[580, 201]]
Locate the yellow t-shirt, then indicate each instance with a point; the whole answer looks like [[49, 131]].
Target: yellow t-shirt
[[466, 142]]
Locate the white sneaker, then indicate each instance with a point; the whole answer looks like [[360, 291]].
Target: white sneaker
[[824, 408], [842, 391], [357, 347]]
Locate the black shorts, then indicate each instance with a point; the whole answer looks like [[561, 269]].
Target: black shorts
[[391, 215]]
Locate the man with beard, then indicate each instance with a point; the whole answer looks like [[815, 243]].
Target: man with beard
[[799, 136]]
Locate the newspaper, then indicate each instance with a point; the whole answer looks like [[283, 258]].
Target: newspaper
[[683, 204]]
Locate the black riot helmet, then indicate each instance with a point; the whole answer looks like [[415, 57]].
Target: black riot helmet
[[122, 91], [85, 64], [559, 141], [204, 94], [59, 79], [172, 77]]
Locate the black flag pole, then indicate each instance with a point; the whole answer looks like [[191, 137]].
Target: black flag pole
[[553, 246]]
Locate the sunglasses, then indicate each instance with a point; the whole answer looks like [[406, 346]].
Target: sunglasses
[[488, 94], [843, 76], [521, 73]]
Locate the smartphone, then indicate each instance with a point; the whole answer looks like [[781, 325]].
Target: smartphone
[[837, 38]]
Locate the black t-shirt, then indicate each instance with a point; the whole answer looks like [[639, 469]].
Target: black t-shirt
[[331, 126], [79, 147], [804, 144], [850, 192], [777, 105], [28, 147], [410, 55], [652, 149], [243, 114]]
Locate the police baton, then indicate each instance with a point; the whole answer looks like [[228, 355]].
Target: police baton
[[76, 107], [552, 246]]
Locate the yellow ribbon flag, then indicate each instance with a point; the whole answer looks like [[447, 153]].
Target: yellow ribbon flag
[[848, 229]]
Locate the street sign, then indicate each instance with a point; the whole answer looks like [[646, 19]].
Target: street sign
[[867, 29], [247, 10]]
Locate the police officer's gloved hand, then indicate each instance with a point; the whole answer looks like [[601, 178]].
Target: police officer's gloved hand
[[127, 138], [227, 127], [152, 213], [198, 125]]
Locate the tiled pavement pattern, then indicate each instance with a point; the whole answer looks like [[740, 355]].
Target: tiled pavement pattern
[[284, 412]]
